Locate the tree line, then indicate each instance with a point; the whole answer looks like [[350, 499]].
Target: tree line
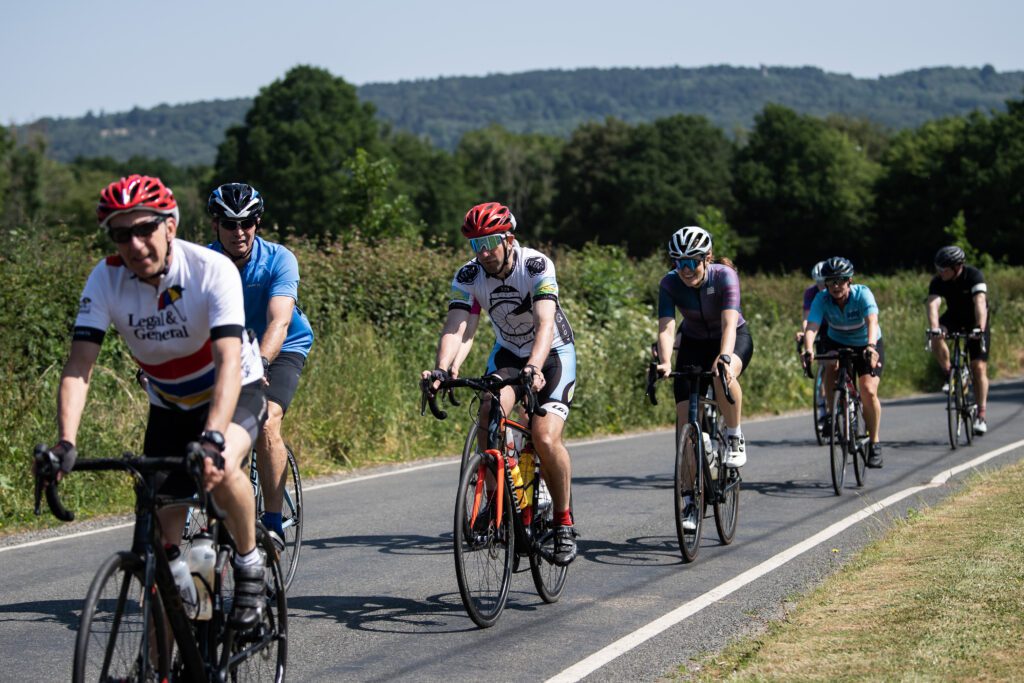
[[792, 189]]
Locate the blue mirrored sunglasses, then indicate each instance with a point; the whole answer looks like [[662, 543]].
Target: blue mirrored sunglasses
[[489, 243], [690, 263]]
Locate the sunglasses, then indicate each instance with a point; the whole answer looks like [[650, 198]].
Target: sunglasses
[[488, 243], [244, 224], [125, 235], [836, 281], [690, 263]]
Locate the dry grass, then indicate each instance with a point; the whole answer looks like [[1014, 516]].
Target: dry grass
[[940, 598]]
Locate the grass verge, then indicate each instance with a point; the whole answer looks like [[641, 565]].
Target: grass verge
[[940, 597]]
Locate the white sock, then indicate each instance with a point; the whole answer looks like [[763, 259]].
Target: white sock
[[248, 560], [737, 431]]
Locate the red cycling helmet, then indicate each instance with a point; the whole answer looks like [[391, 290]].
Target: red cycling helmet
[[135, 193], [491, 218]]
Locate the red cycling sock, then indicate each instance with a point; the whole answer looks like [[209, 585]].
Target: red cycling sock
[[563, 518], [527, 515]]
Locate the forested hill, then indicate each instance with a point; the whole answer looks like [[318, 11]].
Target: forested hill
[[557, 101]]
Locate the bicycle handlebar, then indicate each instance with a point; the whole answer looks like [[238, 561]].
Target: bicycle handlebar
[[46, 468], [491, 384], [691, 371]]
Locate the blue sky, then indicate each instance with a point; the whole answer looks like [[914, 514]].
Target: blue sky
[[66, 57]]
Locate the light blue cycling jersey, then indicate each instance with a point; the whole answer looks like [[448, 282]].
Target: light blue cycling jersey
[[272, 270], [848, 325]]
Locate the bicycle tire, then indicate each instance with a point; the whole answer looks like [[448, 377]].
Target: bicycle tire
[[261, 652], [953, 415], [548, 577], [859, 455], [291, 520], [468, 448], [483, 555], [688, 448], [838, 443], [818, 405], [968, 408], [109, 641]]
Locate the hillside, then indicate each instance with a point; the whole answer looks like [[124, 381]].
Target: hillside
[[555, 102]]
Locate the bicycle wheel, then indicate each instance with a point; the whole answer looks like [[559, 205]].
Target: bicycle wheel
[[468, 448], [727, 499], [261, 652], [838, 442], [688, 482], [291, 520], [967, 407], [953, 415], [818, 407], [110, 640], [548, 577], [484, 550], [858, 453]]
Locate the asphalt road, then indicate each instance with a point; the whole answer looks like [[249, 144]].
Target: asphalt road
[[375, 598]]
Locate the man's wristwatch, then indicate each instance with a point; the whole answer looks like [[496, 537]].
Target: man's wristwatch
[[266, 365], [725, 358], [214, 438]]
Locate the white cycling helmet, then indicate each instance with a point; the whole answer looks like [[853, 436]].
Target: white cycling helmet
[[689, 242], [816, 273]]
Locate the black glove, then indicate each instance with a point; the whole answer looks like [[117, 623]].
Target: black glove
[[60, 457], [805, 361], [527, 374], [976, 333]]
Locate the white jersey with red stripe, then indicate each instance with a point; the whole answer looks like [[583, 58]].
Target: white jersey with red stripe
[[168, 327]]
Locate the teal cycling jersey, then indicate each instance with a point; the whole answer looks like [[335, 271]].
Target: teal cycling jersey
[[847, 325], [272, 270]]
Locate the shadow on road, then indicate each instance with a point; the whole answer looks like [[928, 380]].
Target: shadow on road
[[66, 612], [627, 483], [391, 544]]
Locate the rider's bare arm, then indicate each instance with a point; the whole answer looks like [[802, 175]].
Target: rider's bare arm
[[279, 316], [932, 304], [227, 384], [453, 335], [74, 388], [981, 309]]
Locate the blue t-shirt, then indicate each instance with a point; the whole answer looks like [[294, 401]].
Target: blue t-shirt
[[848, 325], [701, 306], [272, 270]]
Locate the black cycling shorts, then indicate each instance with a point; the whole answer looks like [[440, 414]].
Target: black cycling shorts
[[703, 352], [283, 376], [559, 376], [169, 431], [861, 365], [975, 351]]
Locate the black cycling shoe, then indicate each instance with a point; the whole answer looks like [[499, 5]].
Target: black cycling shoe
[[565, 545], [250, 595], [875, 455]]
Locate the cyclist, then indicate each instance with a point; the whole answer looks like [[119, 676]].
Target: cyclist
[[852, 316], [179, 309], [809, 294], [517, 286], [270, 279], [966, 294], [713, 329]]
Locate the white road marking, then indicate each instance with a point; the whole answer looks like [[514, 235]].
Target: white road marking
[[595, 661]]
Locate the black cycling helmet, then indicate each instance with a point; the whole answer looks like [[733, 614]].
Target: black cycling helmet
[[235, 201], [836, 267], [949, 257]]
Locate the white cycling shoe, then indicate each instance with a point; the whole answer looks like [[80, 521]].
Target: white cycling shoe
[[736, 454]]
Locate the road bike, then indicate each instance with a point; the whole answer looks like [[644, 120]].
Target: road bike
[[503, 511], [134, 599], [847, 431], [700, 471], [961, 405], [291, 514], [819, 402]]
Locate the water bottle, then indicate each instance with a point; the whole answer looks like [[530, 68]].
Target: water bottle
[[201, 560], [517, 479], [710, 453], [183, 579], [526, 467], [543, 497]]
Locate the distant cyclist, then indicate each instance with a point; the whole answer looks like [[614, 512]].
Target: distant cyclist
[[517, 287], [852, 316], [808, 299], [966, 294], [179, 309], [270, 279], [707, 295]]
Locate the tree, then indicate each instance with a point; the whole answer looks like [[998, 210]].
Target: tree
[[297, 138], [366, 206], [804, 190], [516, 169]]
